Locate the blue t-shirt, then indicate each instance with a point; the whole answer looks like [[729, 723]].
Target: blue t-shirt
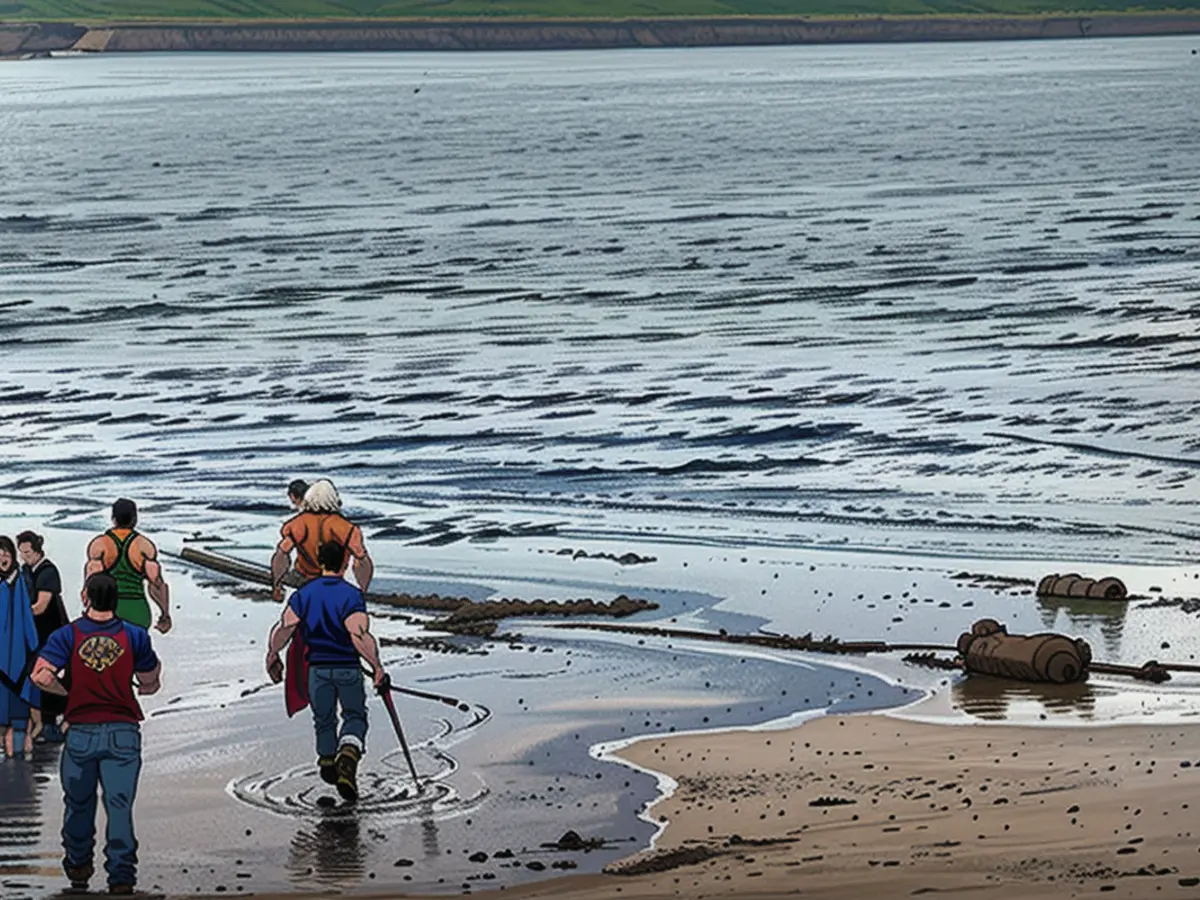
[[323, 605], [61, 644]]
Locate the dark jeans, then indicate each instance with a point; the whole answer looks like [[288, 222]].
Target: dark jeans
[[327, 687], [108, 755]]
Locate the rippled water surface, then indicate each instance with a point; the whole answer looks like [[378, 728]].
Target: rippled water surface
[[917, 297], [727, 309]]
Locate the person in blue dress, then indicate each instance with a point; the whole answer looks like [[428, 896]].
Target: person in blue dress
[[18, 646]]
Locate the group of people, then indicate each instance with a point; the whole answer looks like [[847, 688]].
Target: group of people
[[90, 671], [32, 610]]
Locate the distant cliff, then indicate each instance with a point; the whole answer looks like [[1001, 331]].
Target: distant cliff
[[18, 40], [37, 39]]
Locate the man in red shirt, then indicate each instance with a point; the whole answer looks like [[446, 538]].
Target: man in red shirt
[[103, 659]]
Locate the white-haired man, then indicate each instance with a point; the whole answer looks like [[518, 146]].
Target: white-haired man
[[319, 520]]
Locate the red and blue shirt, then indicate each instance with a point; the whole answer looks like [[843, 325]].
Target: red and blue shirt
[[100, 659]]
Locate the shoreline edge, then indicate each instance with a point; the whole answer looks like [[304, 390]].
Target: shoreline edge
[[25, 40]]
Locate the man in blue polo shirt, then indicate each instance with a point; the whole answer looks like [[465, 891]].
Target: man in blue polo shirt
[[332, 617]]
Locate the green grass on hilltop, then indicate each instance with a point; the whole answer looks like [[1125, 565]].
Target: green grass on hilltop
[[108, 10]]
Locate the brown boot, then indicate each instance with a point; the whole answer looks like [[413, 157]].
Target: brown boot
[[326, 765], [79, 876], [346, 764]]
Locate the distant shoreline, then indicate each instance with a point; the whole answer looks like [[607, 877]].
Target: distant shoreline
[[39, 39]]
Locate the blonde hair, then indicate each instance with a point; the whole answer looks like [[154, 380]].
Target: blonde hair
[[322, 497]]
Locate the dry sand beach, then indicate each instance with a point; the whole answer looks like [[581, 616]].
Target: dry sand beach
[[878, 806]]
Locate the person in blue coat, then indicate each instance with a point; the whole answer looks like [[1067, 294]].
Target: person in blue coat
[[18, 648]]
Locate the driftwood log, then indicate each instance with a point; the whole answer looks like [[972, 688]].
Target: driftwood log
[[469, 617], [1075, 585], [988, 649]]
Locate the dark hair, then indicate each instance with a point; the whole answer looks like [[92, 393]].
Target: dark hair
[[298, 488], [7, 544], [331, 555], [124, 513], [102, 592], [36, 541]]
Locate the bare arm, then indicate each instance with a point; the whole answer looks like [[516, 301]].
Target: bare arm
[[149, 682], [281, 634], [359, 626], [157, 587], [281, 562], [42, 602], [364, 571], [364, 568], [95, 564], [45, 676]]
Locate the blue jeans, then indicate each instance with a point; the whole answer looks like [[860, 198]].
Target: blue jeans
[[327, 687], [109, 755]]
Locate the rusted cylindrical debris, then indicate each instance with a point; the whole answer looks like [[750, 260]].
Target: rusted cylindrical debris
[[988, 649], [1075, 585]]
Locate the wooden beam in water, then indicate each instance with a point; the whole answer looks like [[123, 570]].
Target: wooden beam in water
[[245, 571], [252, 572]]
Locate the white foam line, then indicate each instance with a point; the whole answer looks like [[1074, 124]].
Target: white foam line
[[1147, 720], [664, 784]]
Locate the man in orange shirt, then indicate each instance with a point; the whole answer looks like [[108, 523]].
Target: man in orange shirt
[[319, 520]]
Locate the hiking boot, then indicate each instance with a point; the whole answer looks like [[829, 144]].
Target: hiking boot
[[346, 764], [326, 765], [79, 876], [121, 890]]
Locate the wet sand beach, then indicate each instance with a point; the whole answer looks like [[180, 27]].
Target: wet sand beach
[[231, 802], [875, 805]]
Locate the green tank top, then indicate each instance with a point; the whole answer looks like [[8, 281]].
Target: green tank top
[[132, 605]]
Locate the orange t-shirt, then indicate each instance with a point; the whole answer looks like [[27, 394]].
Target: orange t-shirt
[[307, 531]]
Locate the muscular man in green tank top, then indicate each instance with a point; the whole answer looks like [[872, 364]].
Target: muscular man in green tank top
[[132, 561]]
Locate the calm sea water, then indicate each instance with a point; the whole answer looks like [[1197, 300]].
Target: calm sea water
[[925, 299], [918, 297]]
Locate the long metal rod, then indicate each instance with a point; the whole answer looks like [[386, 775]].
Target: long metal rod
[[1179, 667], [413, 692], [386, 694], [440, 698], [1149, 672]]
